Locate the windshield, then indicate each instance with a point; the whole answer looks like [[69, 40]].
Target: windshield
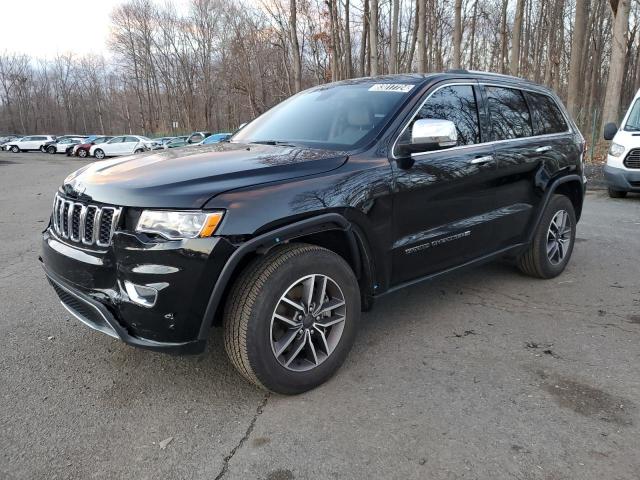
[[633, 121], [336, 117]]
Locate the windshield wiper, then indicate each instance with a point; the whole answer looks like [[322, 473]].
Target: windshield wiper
[[275, 142]]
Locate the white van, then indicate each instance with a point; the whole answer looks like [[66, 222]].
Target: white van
[[622, 171]]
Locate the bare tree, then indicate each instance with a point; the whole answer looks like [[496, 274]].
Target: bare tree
[[297, 61], [373, 36], [457, 34], [514, 66]]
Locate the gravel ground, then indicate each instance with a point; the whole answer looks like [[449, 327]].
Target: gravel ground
[[484, 374]]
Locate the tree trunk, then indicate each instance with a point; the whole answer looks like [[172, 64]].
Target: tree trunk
[[457, 34], [503, 37], [295, 46], [611, 110], [575, 67], [373, 37], [514, 67], [364, 39], [348, 67], [393, 47], [422, 35]]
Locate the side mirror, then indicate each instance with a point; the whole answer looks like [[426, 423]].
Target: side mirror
[[431, 134], [610, 130]]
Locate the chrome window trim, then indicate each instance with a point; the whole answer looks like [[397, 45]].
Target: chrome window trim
[[478, 83]]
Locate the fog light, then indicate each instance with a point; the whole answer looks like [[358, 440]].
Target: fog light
[[141, 294]]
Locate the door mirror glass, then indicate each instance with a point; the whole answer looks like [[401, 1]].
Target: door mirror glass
[[610, 130], [431, 134]]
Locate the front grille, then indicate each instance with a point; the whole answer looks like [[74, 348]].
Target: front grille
[[633, 159], [84, 223]]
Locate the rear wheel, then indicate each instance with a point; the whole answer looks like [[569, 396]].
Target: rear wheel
[[291, 318], [43, 149], [99, 154], [552, 244], [51, 149], [139, 150], [616, 193]]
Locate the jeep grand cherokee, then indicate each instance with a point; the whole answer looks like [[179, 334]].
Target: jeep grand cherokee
[[333, 198]]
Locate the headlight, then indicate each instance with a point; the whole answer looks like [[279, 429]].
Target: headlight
[[177, 225], [616, 150]]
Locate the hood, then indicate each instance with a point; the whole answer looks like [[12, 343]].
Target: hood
[[628, 140], [188, 177]]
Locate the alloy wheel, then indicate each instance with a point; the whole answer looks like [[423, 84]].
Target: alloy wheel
[[308, 322], [559, 237]]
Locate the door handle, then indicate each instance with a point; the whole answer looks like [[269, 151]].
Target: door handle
[[544, 149], [479, 160]]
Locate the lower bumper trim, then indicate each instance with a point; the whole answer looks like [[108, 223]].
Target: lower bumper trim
[[98, 317]]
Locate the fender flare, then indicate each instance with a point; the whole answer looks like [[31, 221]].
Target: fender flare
[[265, 242], [547, 197]]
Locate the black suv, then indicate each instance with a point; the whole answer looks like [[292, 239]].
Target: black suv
[[336, 196]]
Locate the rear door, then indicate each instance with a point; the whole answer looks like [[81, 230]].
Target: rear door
[[113, 146], [526, 154], [129, 145], [444, 200]]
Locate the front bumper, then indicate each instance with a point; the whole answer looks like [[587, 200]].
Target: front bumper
[[622, 179], [91, 285]]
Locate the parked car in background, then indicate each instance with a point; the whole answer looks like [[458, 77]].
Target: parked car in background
[[622, 171], [197, 137], [160, 141], [215, 138], [6, 139], [62, 144], [176, 142], [82, 149], [29, 143], [123, 145], [321, 205]]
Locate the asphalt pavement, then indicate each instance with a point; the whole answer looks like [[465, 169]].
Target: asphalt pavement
[[483, 374]]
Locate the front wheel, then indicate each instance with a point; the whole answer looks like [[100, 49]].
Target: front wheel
[[613, 193], [81, 152], [99, 154], [139, 150], [292, 318], [15, 149], [43, 149], [552, 244], [51, 149]]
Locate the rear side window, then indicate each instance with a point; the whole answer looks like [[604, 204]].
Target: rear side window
[[456, 103], [547, 117], [130, 139], [509, 113]]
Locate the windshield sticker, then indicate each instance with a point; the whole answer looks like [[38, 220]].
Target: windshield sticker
[[391, 87]]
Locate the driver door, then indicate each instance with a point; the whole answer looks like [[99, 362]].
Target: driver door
[[444, 204], [112, 146]]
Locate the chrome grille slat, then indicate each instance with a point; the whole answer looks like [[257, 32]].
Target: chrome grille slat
[[83, 223], [632, 159]]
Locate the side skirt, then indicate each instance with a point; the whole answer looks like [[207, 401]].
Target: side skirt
[[512, 250]]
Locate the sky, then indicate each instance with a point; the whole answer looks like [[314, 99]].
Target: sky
[[44, 28]]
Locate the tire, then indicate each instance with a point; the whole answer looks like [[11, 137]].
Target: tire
[[616, 193], [82, 153], [51, 150], [15, 149], [541, 259], [43, 149], [139, 150], [99, 154], [250, 324]]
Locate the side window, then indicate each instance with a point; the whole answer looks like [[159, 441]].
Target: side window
[[509, 113], [456, 103], [26, 139], [116, 140], [131, 139], [547, 117]]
